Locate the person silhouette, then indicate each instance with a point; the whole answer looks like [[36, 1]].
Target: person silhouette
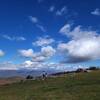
[[44, 75]]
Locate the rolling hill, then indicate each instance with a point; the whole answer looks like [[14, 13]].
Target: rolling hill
[[74, 86]]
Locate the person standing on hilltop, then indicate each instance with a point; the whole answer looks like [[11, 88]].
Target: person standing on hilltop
[[44, 75]]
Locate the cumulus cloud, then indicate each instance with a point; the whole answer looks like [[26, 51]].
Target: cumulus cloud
[[43, 41], [2, 53], [78, 32], [28, 63], [96, 12], [83, 44], [62, 11], [48, 51], [43, 55], [35, 21], [38, 59], [14, 38], [32, 65], [26, 53]]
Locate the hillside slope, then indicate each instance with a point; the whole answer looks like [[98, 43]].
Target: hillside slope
[[80, 86]]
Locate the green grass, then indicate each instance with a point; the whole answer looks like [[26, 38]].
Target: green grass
[[82, 86]]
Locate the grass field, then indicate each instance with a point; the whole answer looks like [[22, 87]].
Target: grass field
[[81, 86]]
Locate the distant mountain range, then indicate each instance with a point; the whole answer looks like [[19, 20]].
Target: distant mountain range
[[23, 73]]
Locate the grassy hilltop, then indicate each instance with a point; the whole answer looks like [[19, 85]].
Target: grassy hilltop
[[80, 86]]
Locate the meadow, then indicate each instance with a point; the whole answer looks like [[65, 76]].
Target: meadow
[[76, 86]]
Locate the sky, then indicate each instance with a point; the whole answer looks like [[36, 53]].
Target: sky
[[49, 34]]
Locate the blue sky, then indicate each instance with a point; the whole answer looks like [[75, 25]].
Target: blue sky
[[53, 33]]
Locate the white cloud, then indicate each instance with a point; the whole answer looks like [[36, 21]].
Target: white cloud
[[8, 66], [96, 12], [52, 8], [48, 66], [20, 38], [39, 58], [48, 51], [43, 55], [77, 32], [14, 38], [62, 11], [83, 46], [26, 53], [2, 53], [37, 23], [32, 65], [33, 19], [43, 41], [28, 63], [41, 66], [65, 29], [41, 27]]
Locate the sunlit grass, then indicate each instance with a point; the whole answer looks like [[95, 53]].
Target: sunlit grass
[[81, 86]]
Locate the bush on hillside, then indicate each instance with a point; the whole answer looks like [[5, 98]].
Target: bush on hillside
[[93, 68], [29, 77]]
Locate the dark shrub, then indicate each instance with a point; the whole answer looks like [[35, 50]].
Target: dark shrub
[[93, 68], [79, 70], [29, 77]]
